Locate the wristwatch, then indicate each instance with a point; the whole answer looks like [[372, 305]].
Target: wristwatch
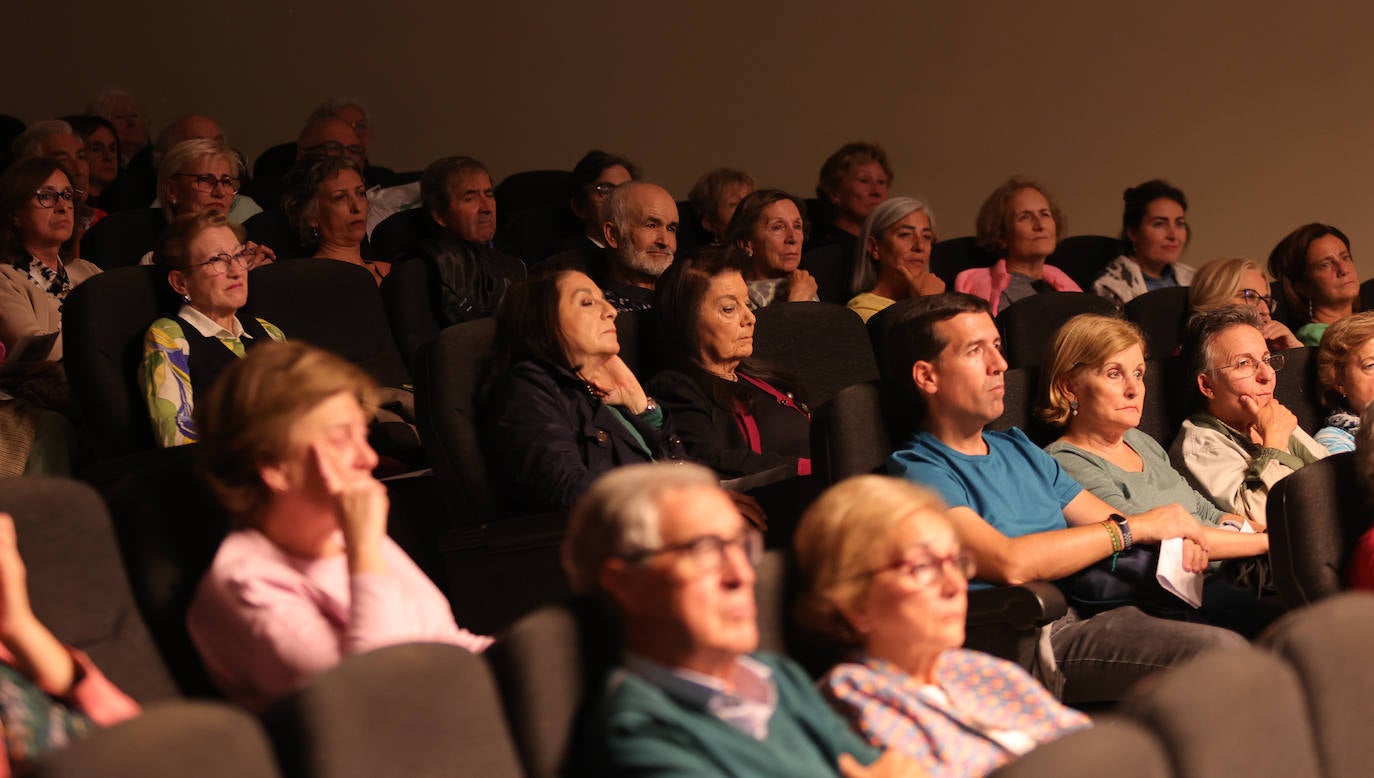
[[1125, 527]]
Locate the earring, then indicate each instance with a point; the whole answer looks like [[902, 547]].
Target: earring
[[315, 233], [1310, 312], [187, 298], [1073, 407]]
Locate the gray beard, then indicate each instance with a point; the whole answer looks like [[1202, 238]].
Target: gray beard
[[641, 263]]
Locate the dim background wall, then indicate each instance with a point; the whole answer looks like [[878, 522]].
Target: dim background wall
[[1260, 111]]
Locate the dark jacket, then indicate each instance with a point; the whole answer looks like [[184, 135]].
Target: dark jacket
[[472, 278], [549, 437], [713, 435]]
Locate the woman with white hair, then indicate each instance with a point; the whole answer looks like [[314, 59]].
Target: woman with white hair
[[893, 261]]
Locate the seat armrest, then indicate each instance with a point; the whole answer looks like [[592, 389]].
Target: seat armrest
[[1023, 607]]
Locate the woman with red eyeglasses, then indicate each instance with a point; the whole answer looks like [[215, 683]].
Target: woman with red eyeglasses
[[37, 215]]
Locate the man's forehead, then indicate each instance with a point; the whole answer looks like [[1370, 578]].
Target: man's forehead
[[967, 328], [692, 511]]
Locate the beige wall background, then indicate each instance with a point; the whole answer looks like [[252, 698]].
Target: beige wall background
[[1260, 111]]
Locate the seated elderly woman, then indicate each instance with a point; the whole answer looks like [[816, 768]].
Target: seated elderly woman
[[560, 406], [768, 226], [852, 182], [309, 575], [735, 415], [1155, 228], [664, 549], [1243, 440], [207, 262], [885, 581], [1236, 281], [37, 264], [326, 201], [53, 693], [1345, 370], [472, 276], [716, 195], [1314, 267], [200, 174], [1094, 390], [893, 258], [1020, 223]]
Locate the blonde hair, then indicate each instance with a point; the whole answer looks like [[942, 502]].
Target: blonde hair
[[1082, 343], [186, 153], [245, 420], [1338, 343], [1216, 284], [841, 538]]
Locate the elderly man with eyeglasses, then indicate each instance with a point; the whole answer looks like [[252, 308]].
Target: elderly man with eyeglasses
[[665, 547], [1244, 440]]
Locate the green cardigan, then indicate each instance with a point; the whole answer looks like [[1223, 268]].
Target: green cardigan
[[639, 731]]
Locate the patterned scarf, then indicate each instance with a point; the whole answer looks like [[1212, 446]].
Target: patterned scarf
[[54, 282]]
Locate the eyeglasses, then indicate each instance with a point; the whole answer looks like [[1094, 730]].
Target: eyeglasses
[[47, 197], [604, 189], [205, 182], [218, 265], [707, 553], [333, 148], [1254, 299], [924, 569], [359, 126], [1246, 365]]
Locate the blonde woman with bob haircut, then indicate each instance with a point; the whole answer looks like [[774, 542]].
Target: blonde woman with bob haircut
[[1237, 281], [886, 581], [308, 576], [1345, 370]]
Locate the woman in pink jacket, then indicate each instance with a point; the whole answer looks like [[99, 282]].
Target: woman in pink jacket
[[310, 576], [1020, 223]]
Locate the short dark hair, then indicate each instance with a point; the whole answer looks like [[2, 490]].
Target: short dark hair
[[527, 321], [837, 165], [680, 290], [750, 210], [85, 125], [434, 182], [17, 187], [1204, 326], [912, 336], [589, 168], [1288, 263], [1137, 199]]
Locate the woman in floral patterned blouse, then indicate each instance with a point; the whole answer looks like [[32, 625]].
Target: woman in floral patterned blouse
[[886, 580]]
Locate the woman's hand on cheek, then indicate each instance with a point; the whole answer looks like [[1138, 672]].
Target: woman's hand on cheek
[[618, 385], [360, 505]]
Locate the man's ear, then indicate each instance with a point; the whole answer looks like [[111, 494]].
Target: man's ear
[[1204, 385], [925, 377], [439, 219], [576, 207], [610, 235]]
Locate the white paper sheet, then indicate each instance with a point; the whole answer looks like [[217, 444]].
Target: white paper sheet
[[1171, 575]]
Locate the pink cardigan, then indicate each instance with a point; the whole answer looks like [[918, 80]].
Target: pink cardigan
[[265, 622], [990, 282]]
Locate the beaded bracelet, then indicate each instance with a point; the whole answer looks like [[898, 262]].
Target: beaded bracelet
[[1114, 533]]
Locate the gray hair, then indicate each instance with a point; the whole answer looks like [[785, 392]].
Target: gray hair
[[1205, 326], [30, 142], [330, 108], [888, 213], [619, 515]]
